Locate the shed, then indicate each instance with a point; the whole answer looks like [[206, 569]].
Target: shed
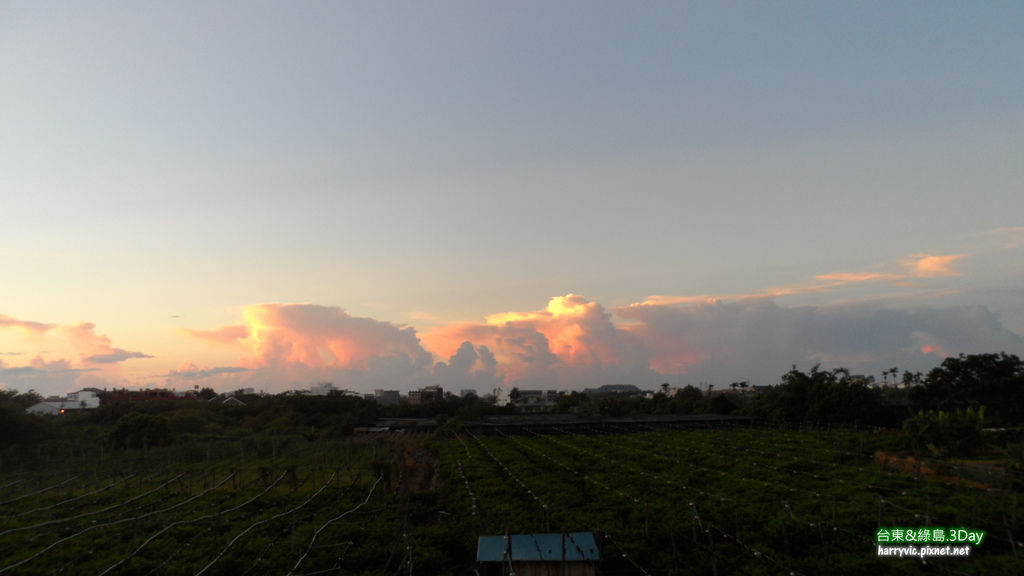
[[561, 554]]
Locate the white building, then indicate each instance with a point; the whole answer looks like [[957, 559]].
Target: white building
[[321, 389], [81, 400]]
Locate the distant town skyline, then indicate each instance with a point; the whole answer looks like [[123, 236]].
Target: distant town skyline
[[544, 195]]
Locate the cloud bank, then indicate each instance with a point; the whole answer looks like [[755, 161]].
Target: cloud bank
[[576, 343], [760, 340]]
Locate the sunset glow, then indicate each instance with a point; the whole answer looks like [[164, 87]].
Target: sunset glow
[[479, 196]]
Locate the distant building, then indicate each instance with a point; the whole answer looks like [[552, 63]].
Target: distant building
[[536, 400], [467, 392], [386, 397], [321, 389], [614, 390], [85, 399], [427, 395], [570, 553], [47, 407]]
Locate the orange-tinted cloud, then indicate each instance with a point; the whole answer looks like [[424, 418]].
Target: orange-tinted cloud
[[928, 266], [96, 348], [821, 283], [98, 360], [917, 266], [839, 278], [569, 338], [518, 349], [230, 335], [319, 336], [28, 326], [295, 345]]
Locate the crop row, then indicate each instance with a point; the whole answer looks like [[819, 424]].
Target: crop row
[[749, 500], [325, 508]]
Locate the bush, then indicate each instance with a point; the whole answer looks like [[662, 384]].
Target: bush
[[956, 434]]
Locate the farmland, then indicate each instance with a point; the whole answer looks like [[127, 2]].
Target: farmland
[[752, 501]]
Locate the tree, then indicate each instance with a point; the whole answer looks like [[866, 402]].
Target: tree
[[24, 400], [821, 396], [995, 381], [721, 404], [687, 400], [137, 430], [17, 426], [571, 402]]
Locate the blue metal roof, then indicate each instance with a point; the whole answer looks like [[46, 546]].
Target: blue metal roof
[[577, 546]]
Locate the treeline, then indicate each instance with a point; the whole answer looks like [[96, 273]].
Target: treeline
[[979, 389], [944, 413]]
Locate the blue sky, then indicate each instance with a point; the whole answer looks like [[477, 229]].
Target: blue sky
[[180, 168]]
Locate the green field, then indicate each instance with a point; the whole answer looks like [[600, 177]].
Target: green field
[[746, 501]]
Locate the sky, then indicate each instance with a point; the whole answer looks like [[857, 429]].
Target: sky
[[493, 194]]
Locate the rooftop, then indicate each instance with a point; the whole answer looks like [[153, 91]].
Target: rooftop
[[564, 547]]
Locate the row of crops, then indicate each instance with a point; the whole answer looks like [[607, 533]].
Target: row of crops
[[237, 507], [723, 502], [661, 502]]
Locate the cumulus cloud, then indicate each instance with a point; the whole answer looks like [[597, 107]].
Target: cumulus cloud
[[470, 367], [570, 343], [318, 336], [293, 345]]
